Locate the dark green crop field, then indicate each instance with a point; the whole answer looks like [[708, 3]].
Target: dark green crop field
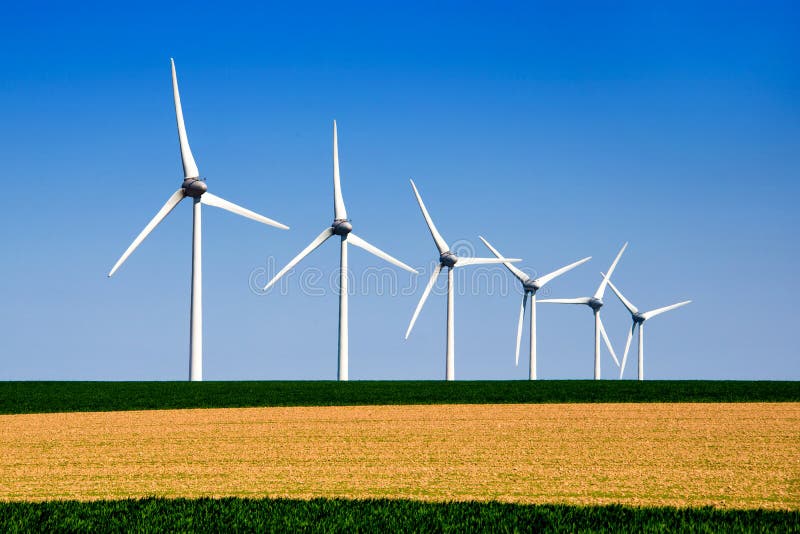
[[42, 397], [323, 515]]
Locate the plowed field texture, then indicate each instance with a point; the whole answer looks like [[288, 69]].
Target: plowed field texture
[[729, 456]]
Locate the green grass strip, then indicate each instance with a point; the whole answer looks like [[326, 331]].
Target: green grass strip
[[43, 397], [339, 515]]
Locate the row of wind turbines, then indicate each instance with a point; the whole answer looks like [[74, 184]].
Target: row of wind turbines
[[195, 187]]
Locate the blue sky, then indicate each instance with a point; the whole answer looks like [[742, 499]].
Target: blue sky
[[557, 131]]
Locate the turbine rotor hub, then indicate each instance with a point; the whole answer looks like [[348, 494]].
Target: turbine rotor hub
[[341, 227], [194, 187], [595, 304], [530, 286], [638, 318], [448, 259]]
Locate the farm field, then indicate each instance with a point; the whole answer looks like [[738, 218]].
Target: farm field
[[338, 515], [42, 397], [726, 455]]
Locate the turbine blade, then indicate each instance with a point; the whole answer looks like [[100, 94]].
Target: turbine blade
[[522, 277], [602, 288], [519, 325], [542, 280], [339, 211], [189, 166], [173, 201], [326, 233], [659, 311], [217, 202], [441, 244], [357, 241], [631, 308], [463, 262], [627, 347], [424, 297], [608, 342], [581, 300]]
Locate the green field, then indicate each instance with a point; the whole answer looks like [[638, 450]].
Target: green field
[[326, 515], [42, 397]]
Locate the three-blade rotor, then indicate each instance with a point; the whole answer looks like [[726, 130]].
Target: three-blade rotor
[[193, 186], [596, 302], [530, 286], [597, 299], [638, 318], [340, 226], [446, 259]]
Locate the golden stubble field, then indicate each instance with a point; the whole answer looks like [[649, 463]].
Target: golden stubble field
[[725, 455]]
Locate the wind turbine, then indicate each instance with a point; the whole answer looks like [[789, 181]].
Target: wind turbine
[[449, 260], [342, 227], [595, 302], [638, 320], [194, 187], [530, 286]]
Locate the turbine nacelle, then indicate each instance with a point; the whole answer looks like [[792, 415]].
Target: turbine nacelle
[[448, 259], [595, 303], [341, 227], [530, 286], [194, 187]]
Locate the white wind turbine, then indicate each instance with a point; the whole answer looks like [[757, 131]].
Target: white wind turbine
[[342, 227], [449, 260], [595, 302], [530, 286], [195, 187], [638, 320]]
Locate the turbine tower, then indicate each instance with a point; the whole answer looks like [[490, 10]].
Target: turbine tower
[[638, 320], [529, 287], [595, 302], [195, 188], [342, 227], [449, 260]]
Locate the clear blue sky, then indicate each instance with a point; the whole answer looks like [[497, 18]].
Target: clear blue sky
[[556, 131]]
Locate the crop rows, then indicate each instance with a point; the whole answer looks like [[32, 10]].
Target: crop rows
[[723, 455], [42, 397], [338, 515]]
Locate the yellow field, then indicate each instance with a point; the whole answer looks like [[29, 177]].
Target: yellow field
[[726, 455]]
